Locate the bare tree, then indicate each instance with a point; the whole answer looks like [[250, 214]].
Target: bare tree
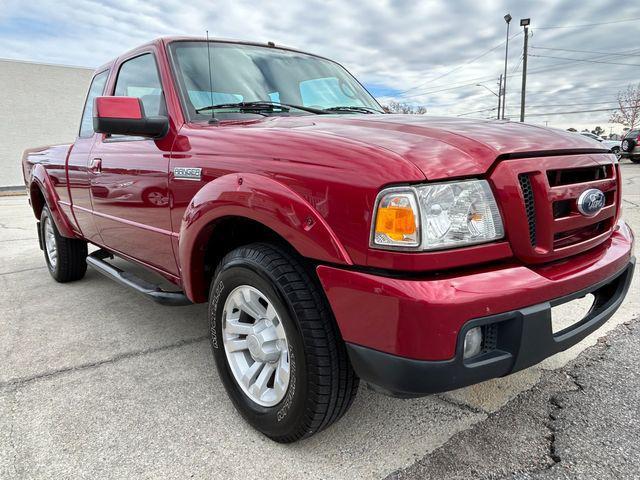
[[398, 107], [628, 112]]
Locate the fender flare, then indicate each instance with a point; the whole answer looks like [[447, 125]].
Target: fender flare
[[263, 200], [42, 181]]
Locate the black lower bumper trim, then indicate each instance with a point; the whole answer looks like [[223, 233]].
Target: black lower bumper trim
[[524, 338]]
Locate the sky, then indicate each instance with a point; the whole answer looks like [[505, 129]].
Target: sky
[[431, 53]]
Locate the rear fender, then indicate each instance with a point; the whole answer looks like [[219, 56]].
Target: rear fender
[[262, 200], [40, 180]]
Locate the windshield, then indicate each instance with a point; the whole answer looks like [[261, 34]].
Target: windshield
[[246, 73]]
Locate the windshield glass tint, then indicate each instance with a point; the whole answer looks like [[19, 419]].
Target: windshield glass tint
[[245, 73]]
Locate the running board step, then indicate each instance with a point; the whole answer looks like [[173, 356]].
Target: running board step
[[154, 292]]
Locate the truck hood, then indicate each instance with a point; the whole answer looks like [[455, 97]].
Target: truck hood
[[442, 147]]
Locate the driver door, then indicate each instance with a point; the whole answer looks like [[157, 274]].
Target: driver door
[[129, 181]]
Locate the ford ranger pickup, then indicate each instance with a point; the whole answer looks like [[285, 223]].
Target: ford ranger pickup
[[333, 242]]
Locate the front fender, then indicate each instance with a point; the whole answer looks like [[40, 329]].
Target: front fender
[[262, 200], [42, 181]]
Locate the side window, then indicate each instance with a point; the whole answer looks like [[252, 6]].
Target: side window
[[138, 77], [95, 90]]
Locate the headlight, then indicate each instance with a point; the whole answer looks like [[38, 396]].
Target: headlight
[[452, 214]]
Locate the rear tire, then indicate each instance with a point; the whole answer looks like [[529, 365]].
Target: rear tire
[[66, 257], [321, 384], [616, 152]]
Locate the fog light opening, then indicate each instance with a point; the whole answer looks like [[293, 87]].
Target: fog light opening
[[472, 342]]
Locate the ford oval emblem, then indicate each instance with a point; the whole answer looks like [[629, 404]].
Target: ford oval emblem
[[591, 202]]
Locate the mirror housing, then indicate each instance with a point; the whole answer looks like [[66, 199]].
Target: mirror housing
[[125, 116]]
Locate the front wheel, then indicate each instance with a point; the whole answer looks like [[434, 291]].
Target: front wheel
[[66, 257], [276, 345]]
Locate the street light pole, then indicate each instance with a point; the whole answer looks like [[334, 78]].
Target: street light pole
[[507, 18], [499, 95], [524, 23]]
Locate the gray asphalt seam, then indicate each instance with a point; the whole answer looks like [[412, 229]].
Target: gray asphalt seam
[[19, 382], [23, 270], [19, 239]]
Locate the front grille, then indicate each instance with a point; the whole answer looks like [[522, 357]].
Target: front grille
[[529, 205], [538, 198], [570, 176], [570, 237]]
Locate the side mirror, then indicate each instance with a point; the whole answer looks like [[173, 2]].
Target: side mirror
[[125, 116]]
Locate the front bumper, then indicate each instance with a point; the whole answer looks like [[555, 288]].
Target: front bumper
[[522, 338], [404, 335]]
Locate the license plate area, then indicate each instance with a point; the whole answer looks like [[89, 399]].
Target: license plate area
[[567, 315]]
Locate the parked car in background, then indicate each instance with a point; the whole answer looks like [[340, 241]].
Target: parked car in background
[[613, 145], [630, 146]]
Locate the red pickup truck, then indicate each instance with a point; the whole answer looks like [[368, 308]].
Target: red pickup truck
[[332, 241]]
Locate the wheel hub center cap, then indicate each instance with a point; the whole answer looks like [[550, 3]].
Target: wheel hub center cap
[[264, 346]]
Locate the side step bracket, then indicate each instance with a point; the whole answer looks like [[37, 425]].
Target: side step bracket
[[154, 292]]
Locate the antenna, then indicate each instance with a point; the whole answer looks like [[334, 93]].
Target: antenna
[[213, 118]]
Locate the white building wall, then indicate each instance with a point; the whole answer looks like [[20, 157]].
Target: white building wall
[[39, 105]]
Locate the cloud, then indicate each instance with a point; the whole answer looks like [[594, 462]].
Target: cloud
[[390, 45]]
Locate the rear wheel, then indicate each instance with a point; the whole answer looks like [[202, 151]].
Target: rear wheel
[[616, 152], [276, 345], [66, 257]]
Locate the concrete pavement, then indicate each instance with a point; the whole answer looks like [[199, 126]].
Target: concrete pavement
[[96, 381]]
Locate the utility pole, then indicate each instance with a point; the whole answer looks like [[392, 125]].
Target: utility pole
[[524, 23], [507, 18], [499, 95]]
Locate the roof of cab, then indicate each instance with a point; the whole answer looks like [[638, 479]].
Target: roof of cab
[[163, 41]]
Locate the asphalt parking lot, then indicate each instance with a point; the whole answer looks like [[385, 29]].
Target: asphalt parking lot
[[98, 382]]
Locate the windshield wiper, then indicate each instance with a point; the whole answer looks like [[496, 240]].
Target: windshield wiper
[[258, 106], [348, 108]]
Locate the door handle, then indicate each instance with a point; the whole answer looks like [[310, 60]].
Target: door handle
[[95, 166]]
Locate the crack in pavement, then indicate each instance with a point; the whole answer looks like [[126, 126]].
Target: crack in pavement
[[19, 239], [545, 432], [19, 382], [631, 203]]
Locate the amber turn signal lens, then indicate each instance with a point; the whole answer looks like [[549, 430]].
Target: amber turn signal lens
[[396, 222]]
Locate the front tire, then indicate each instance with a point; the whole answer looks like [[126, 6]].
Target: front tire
[[276, 345], [66, 257]]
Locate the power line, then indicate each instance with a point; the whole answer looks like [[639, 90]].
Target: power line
[[588, 51], [486, 52], [586, 60], [569, 113], [473, 82], [571, 104], [590, 24], [477, 111], [514, 70]]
